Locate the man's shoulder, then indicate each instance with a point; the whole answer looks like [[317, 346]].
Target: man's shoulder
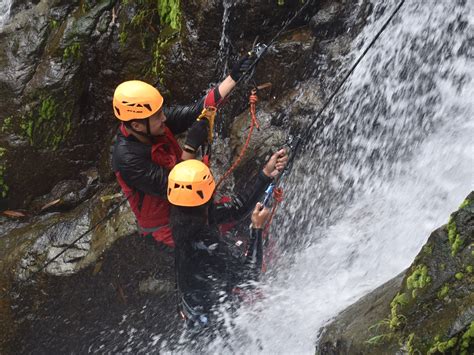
[[126, 151]]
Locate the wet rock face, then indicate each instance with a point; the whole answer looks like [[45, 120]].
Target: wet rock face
[[428, 309]]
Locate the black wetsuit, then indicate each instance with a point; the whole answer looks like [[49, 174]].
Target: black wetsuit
[[209, 267]]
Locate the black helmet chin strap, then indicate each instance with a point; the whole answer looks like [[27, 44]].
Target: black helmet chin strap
[[148, 130]]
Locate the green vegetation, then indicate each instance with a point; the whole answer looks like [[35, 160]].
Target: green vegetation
[[418, 279], [396, 319], [409, 345], [455, 240], [73, 52], [3, 168], [469, 269], [459, 276], [378, 339], [48, 125], [465, 203], [467, 339], [170, 13], [53, 24], [443, 292], [7, 124], [442, 346], [156, 22]]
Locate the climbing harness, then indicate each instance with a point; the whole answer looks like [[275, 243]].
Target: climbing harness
[[209, 114]]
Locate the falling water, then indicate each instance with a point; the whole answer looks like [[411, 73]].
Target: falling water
[[224, 42], [394, 161], [5, 6]]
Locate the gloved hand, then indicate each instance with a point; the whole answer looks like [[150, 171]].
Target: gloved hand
[[242, 66], [197, 134]]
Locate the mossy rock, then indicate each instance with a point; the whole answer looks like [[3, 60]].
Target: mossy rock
[[429, 309]]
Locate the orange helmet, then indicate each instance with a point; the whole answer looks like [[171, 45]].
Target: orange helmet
[[136, 99], [190, 184]]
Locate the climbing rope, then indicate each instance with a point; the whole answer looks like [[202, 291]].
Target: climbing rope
[[253, 124], [278, 199], [296, 144]]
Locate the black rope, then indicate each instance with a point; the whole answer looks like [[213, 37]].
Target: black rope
[[354, 66], [305, 136], [249, 71]]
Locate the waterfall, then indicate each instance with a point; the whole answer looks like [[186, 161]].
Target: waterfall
[[393, 163], [224, 42], [5, 6]]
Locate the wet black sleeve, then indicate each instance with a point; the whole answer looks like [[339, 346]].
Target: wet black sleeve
[[144, 175], [240, 205], [180, 118]]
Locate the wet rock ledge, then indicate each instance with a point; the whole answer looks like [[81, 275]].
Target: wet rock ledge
[[427, 309]]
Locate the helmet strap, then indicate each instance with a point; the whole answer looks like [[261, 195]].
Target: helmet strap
[[148, 131]]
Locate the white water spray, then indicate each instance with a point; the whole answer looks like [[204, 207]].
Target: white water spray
[[224, 42], [5, 6], [395, 161]]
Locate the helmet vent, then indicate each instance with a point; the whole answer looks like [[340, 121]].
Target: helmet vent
[[189, 187], [176, 186], [200, 193], [147, 106], [169, 191], [116, 109]]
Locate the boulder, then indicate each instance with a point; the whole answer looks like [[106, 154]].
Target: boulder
[[428, 309]]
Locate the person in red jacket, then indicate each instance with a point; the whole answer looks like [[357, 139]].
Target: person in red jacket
[[146, 149]]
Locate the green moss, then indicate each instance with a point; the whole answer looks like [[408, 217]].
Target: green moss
[[7, 124], [467, 339], [72, 52], [155, 23], [281, 2], [469, 269], [47, 125], [53, 24], [3, 168], [418, 279], [170, 13], [85, 6], [443, 292], [379, 339], [465, 203], [123, 38], [442, 267], [409, 345], [398, 302], [455, 240], [442, 346], [427, 249], [459, 276]]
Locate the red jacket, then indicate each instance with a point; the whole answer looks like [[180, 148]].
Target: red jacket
[[142, 170]]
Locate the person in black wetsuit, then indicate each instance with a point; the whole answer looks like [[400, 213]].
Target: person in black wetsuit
[[207, 267]]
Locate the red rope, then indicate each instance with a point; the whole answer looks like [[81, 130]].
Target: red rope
[[253, 123], [278, 198]]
